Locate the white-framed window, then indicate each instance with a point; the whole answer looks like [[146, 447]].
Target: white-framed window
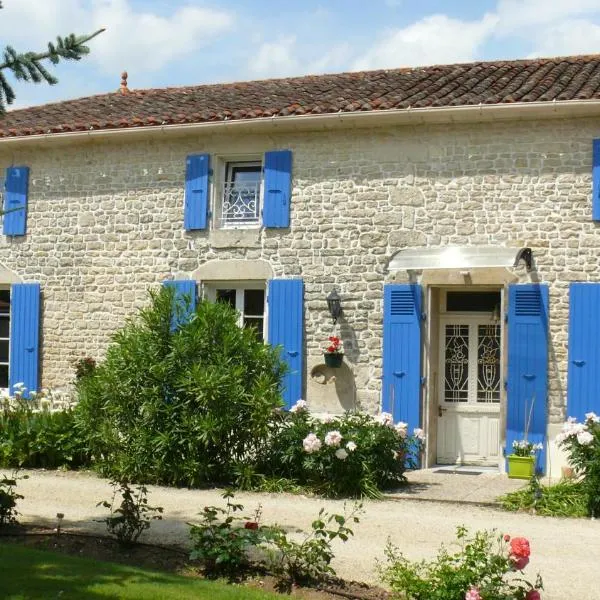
[[4, 336], [238, 193], [248, 299]]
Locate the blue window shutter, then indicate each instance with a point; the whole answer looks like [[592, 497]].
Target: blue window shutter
[[16, 188], [286, 329], [596, 180], [195, 210], [527, 366], [583, 378], [24, 335], [401, 387], [185, 300], [277, 188]]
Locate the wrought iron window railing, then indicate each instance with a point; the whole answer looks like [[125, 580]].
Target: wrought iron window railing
[[240, 204]]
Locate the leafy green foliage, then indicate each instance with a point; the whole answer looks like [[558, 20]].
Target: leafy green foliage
[[184, 406], [582, 444], [222, 540], [132, 516], [564, 499], [309, 560], [483, 564], [39, 438], [375, 455], [8, 498]]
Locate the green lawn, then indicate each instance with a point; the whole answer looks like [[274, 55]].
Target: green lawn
[[28, 573]]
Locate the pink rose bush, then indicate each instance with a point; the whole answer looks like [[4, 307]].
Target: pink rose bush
[[349, 455], [482, 569]]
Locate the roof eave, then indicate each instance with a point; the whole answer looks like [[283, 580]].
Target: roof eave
[[357, 119]]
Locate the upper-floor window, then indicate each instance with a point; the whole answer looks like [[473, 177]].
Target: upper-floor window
[[238, 200]]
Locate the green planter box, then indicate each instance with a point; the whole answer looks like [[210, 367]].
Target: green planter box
[[521, 467], [334, 360]]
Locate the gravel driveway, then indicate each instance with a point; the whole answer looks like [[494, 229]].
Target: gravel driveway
[[565, 551]]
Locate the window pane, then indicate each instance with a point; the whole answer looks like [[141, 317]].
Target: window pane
[[473, 301], [243, 175], [226, 296], [256, 324], [254, 302], [4, 327], [456, 359], [488, 363], [4, 301], [3, 376], [3, 350]]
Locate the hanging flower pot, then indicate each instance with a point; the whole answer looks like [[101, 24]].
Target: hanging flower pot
[[334, 359], [333, 352]]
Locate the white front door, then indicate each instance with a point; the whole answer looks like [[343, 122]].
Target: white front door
[[469, 403]]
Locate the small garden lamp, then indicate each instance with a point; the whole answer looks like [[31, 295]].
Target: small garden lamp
[[334, 304]]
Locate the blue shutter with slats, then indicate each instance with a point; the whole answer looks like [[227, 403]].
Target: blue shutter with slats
[[16, 188], [596, 180], [195, 210], [401, 387], [583, 378], [185, 300], [277, 188], [24, 336], [527, 366], [286, 329]]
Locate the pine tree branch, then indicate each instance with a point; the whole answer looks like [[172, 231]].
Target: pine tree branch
[[28, 66]]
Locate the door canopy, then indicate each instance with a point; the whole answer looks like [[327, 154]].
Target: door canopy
[[458, 257]]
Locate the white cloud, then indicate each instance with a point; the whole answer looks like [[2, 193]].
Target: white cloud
[[434, 39], [280, 59], [574, 36], [140, 41], [517, 14]]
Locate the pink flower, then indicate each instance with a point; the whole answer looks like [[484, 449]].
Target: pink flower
[[533, 595], [519, 547], [250, 525], [472, 593], [311, 443], [520, 562], [333, 438], [506, 537]]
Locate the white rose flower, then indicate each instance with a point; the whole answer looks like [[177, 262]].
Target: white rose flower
[[419, 434], [593, 417], [300, 405], [385, 418], [585, 438], [401, 429], [341, 454], [311, 443], [333, 438], [351, 446]]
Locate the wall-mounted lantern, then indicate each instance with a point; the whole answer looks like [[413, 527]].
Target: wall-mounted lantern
[[334, 304]]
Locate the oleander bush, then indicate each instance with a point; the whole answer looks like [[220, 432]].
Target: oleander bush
[[351, 455], [181, 405]]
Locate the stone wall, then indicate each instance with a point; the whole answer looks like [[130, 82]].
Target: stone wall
[[105, 223]]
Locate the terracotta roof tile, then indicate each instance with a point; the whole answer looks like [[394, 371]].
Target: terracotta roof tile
[[500, 82]]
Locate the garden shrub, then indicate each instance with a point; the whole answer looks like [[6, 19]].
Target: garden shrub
[[351, 455], [484, 568], [582, 443], [182, 406], [9, 497], [40, 432]]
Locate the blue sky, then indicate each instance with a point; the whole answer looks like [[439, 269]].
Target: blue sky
[[185, 42]]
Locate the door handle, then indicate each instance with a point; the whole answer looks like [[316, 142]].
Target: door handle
[[441, 411]]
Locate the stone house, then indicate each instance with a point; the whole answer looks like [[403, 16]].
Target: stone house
[[454, 209]]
